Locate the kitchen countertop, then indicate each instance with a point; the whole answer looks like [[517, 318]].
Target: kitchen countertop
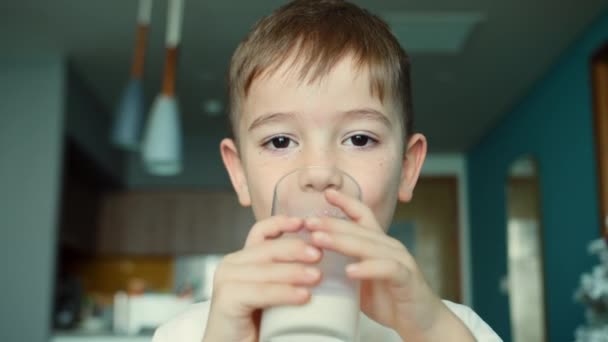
[[101, 336]]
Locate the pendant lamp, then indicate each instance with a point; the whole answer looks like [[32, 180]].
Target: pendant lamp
[[162, 144], [126, 129]]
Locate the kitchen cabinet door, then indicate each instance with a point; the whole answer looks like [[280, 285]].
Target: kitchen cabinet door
[[172, 223], [82, 188], [135, 223], [210, 223]]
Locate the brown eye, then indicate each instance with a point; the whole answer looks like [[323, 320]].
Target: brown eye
[[359, 140], [280, 142]]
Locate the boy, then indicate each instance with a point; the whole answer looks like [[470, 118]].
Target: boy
[[323, 83]]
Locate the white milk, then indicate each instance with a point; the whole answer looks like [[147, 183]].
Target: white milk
[[325, 318]]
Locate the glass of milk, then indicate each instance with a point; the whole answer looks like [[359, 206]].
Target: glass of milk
[[332, 314]]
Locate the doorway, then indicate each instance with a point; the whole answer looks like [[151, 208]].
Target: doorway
[[428, 226], [599, 77]]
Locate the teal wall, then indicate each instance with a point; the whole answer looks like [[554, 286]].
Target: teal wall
[[553, 122], [31, 129]]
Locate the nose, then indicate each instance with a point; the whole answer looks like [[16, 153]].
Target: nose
[[320, 179]]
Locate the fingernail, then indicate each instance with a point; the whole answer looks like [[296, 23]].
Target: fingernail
[[301, 292], [321, 237], [313, 252], [313, 222], [352, 268], [312, 272], [331, 190]]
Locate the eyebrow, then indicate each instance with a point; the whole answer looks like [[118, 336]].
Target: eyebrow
[[360, 113], [368, 114], [268, 118]]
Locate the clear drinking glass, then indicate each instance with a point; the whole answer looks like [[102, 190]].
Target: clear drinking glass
[[333, 311]]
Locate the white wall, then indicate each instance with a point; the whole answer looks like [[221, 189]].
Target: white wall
[[31, 100]]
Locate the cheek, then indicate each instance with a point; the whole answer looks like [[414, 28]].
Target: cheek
[[261, 179], [379, 187], [261, 196]]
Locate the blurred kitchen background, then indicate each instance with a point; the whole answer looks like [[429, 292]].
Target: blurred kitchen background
[[103, 234]]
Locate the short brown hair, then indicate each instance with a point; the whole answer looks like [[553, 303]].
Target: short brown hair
[[319, 33]]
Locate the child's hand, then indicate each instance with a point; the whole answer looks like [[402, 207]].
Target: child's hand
[[393, 291], [264, 273]]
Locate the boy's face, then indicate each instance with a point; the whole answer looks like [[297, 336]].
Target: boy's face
[[286, 123]]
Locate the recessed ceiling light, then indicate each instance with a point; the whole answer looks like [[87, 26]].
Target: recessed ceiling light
[[433, 32], [213, 107]]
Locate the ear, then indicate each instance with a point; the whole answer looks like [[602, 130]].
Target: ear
[[412, 165], [234, 166]]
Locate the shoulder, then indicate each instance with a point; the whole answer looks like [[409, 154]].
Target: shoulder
[[373, 331], [480, 329], [189, 326]]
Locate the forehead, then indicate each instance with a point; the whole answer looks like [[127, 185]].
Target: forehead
[[346, 86]]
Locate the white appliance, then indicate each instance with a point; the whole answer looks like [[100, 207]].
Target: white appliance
[[134, 313], [196, 271]]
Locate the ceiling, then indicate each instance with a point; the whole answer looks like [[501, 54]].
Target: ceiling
[[457, 97]]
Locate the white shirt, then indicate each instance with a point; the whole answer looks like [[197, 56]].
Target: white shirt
[[190, 326]]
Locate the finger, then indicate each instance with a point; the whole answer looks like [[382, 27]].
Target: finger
[[380, 269], [252, 296], [353, 208], [272, 228], [280, 250], [285, 273], [335, 225], [348, 244], [358, 246]]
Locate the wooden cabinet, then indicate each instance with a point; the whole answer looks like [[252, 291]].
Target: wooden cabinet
[[209, 222], [171, 223], [82, 187], [134, 223]]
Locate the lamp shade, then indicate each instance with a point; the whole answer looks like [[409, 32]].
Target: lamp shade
[[126, 130], [162, 144]]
